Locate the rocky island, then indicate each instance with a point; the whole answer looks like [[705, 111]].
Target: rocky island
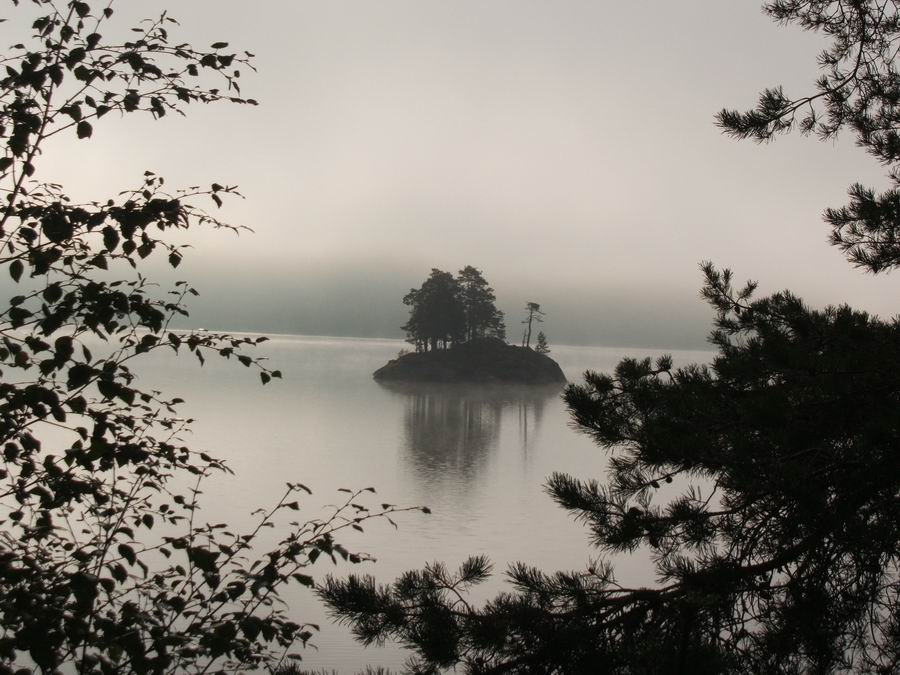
[[459, 335], [484, 360]]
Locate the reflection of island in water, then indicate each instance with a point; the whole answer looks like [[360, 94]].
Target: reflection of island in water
[[451, 430]]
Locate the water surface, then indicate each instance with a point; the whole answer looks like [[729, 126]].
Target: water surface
[[476, 455]]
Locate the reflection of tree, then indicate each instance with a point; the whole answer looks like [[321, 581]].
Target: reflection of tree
[[449, 433], [531, 412], [451, 430]]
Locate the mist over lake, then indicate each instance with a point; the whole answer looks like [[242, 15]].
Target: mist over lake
[[476, 455], [335, 330]]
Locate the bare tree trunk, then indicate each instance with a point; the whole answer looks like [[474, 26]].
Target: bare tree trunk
[[530, 318]]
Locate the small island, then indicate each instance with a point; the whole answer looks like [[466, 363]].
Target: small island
[[487, 360], [460, 336]]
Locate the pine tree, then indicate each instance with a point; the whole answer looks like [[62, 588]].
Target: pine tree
[[857, 91], [497, 327], [542, 347], [446, 311], [764, 485], [437, 315], [535, 315], [481, 315]]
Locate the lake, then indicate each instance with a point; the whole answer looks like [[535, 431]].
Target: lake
[[477, 456]]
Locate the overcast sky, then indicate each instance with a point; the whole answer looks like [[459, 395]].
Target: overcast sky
[[566, 148]]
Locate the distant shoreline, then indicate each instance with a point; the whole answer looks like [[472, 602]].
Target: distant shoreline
[[401, 341]]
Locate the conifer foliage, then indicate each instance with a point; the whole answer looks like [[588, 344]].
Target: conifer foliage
[[763, 486], [445, 310], [857, 92], [481, 315], [105, 564], [535, 315]]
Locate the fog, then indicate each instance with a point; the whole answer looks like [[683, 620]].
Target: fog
[[366, 304], [567, 149]]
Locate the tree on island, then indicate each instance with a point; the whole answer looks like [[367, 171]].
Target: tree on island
[[535, 315], [445, 310], [498, 327], [437, 315], [105, 563], [542, 347], [482, 317], [764, 486]]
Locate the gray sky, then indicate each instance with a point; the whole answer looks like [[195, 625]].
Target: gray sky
[[566, 148]]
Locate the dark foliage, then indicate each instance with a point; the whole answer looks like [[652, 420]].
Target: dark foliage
[[482, 318], [535, 315], [859, 90], [447, 311], [485, 360], [778, 554], [105, 565], [764, 486]]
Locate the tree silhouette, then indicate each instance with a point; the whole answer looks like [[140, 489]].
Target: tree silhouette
[[856, 91], [105, 563], [437, 315], [477, 297], [763, 486], [542, 347], [446, 311], [535, 315]]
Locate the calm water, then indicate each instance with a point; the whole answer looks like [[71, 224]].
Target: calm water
[[476, 455]]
